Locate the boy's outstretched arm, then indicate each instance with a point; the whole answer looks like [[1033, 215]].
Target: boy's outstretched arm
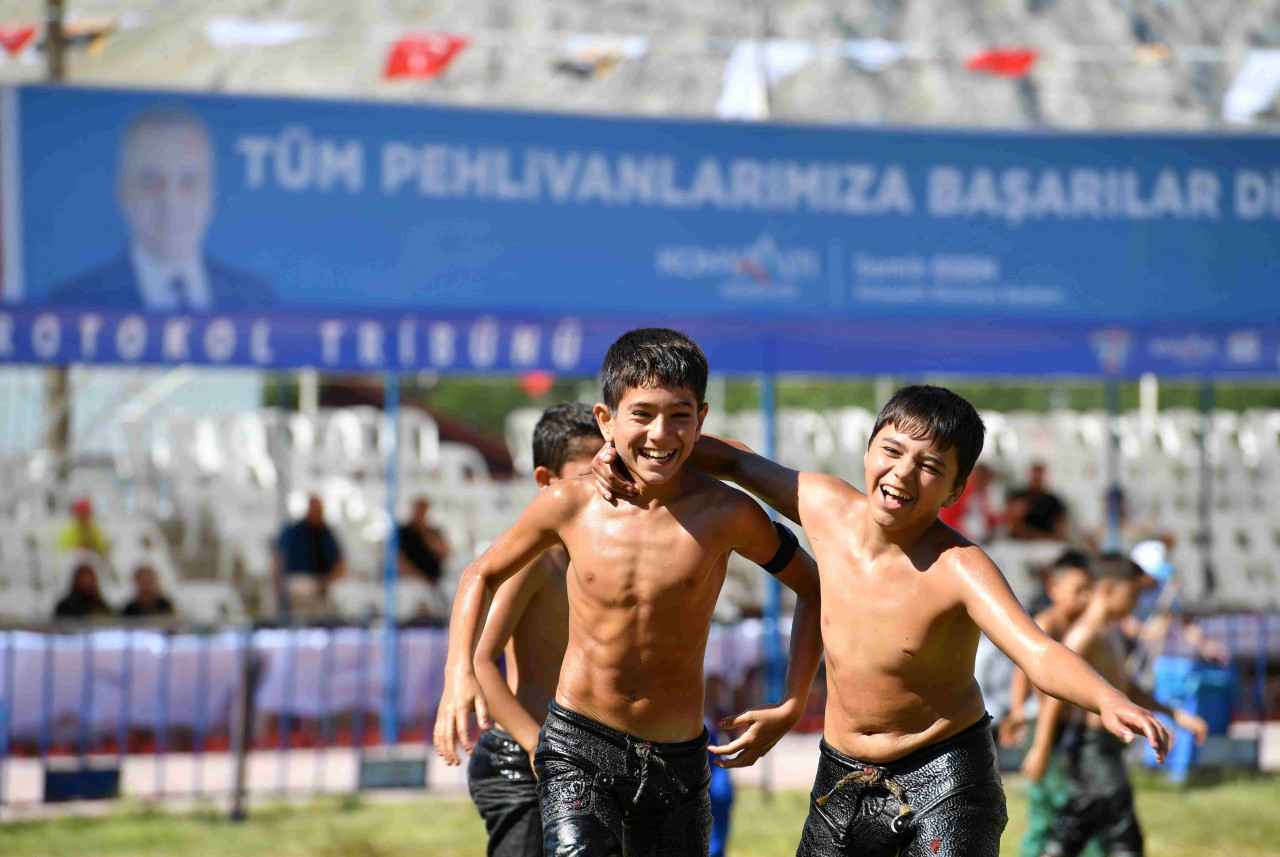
[[766, 724], [1052, 667], [533, 532], [778, 486]]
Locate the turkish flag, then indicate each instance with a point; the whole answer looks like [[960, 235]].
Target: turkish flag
[[14, 39], [1005, 62], [426, 55]]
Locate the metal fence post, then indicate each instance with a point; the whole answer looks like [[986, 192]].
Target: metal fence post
[[241, 724]]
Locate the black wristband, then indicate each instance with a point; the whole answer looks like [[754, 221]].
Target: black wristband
[[786, 550]]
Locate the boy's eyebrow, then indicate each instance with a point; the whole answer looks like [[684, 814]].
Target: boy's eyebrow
[[686, 403]]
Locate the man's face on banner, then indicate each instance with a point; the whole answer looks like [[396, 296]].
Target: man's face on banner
[[166, 189]]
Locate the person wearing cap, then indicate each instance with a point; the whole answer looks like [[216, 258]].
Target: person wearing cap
[[1158, 609], [1099, 795], [82, 532]]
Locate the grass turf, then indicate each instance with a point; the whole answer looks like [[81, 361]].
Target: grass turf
[[1240, 818]]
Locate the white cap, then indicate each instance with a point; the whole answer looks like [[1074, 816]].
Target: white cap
[[1152, 557]]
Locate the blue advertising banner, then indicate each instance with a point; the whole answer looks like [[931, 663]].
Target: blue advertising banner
[[170, 227]]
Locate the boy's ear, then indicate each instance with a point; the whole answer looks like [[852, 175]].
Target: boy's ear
[[702, 417], [604, 419], [543, 476], [954, 496]]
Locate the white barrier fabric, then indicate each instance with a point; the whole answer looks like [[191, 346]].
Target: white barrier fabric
[[319, 673], [151, 681], [145, 679]]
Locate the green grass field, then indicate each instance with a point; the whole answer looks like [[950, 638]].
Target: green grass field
[[1235, 819]]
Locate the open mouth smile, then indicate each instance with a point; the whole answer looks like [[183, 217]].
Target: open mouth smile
[[895, 498], [658, 456]]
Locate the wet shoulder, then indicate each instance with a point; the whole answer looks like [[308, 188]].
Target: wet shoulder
[[954, 553], [569, 496], [722, 497]]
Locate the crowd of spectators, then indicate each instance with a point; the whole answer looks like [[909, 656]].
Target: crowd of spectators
[[309, 560]]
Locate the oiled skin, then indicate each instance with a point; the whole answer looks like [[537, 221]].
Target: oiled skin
[[540, 637], [529, 624], [904, 598], [640, 605], [900, 645]]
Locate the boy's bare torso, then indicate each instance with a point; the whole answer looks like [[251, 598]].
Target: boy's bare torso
[[537, 644], [900, 645], [1099, 644], [641, 591]]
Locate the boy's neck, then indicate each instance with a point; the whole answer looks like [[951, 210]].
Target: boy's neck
[[878, 539], [649, 496]]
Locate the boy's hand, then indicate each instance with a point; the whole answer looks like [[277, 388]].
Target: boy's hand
[[1012, 730], [1193, 724], [1124, 719], [765, 725], [462, 695], [612, 479], [1035, 763]]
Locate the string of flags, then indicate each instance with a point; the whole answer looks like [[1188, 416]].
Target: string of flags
[[752, 67]]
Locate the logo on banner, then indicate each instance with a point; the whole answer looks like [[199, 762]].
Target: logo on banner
[[762, 270], [1244, 348], [1190, 350], [1112, 347]]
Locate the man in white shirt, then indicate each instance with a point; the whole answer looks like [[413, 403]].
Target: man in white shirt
[[165, 188]]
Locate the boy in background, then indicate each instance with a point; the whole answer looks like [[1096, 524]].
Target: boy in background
[[1099, 795], [1068, 586], [528, 622]]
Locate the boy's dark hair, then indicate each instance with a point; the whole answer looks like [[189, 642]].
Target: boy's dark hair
[[1117, 566], [556, 430], [935, 413], [653, 357], [1071, 560]]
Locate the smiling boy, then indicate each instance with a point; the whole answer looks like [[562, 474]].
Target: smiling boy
[[907, 764], [622, 758]]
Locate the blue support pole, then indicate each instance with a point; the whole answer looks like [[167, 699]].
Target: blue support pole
[[1111, 540], [773, 589], [390, 720]]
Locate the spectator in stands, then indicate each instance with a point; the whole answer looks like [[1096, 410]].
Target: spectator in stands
[[82, 532], [148, 600], [85, 600], [974, 515], [1035, 512], [423, 548], [308, 560]]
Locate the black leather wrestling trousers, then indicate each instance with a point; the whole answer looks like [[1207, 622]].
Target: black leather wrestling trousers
[[504, 790], [1099, 797], [952, 791], [604, 793]]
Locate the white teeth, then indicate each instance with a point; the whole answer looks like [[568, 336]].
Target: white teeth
[[657, 455], [897, 495]]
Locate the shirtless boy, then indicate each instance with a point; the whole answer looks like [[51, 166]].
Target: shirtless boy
[[529, 622], [1068, 587], [908, 765], [1099, 797], [622, 758]]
